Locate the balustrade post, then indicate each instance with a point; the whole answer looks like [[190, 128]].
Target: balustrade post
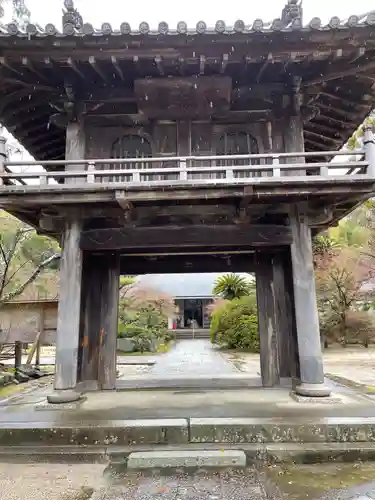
[[90, 170], [183, 172], [369, 147], [3, 154]]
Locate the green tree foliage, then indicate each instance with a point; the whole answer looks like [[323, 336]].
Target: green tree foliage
[[143, 316], [356, 139], [234, 324], [232, 286], [24, 256]]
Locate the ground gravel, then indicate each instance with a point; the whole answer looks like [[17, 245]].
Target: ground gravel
[[50, 481]]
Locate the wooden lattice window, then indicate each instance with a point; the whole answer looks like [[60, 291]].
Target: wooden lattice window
[[131, 146], [237, 143]]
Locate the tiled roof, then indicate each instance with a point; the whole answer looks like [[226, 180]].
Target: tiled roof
[[240, 26], [181, 285]]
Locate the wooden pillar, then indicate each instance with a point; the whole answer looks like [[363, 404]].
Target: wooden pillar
[[40, 338], [75, 148], [306, 311], [17, 357], [183, 138], [293, 128], [69, 310], [283, 312], [90, 318], [269, 360], [109, 321], [100, 295]]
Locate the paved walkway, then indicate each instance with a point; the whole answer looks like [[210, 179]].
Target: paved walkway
[[192, 358]]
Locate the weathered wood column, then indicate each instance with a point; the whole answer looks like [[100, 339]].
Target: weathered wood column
[[75, 148], [306, 311], [283, 313], [293, 128], [285, 316], [90, 319], [109, 321], [69, 313], [265, 291], [99, 320]]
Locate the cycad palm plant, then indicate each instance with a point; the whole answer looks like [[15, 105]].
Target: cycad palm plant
[[233, 286]]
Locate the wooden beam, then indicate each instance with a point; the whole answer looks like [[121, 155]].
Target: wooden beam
[[190, 236], [117, 67], [321, 137], [342, 123], [202, 64], [224, 63], [94, 64], [5, 63], [320, 146], [291, 60], [47, 144], [26, 62], [342, 99], [265, 65], [98, 95], [182, 66], [159, 65], [10, 99], [338, 111], [340, 73], [187, 263], [74, 67], [360, 52], [319, 127]]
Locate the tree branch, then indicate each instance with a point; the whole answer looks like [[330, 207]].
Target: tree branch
[[32, 277]]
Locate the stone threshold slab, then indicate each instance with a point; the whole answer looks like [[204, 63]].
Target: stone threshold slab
[[271, 453], [226, 431]]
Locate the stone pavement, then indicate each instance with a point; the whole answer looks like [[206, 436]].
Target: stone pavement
[[192, 358]]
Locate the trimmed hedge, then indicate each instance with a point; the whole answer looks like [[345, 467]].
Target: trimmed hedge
[[235, 325]]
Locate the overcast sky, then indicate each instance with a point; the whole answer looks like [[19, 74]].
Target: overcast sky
[[192, 11]]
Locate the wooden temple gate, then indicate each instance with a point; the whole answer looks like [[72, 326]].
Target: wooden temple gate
[[187, 151]]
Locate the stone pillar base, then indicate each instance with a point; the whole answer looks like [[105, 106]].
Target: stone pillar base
[[313, 390], [66, 396]]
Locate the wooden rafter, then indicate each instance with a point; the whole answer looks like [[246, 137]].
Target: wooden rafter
[[30, 66], [321, 137], [202, 64], [117, 67], [264, 66], [95, 66], [159, 64], [224, 63], [74, 67]]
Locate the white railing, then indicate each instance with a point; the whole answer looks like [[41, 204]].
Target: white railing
[[186, 170]]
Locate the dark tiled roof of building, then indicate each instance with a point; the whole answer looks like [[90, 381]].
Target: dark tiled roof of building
[[240, 26]]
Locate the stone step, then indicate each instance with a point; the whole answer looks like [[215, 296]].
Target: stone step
[[304, 453], [186, 459], [181, 431]]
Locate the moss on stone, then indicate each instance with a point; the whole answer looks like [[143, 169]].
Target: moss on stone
[[309, 481]]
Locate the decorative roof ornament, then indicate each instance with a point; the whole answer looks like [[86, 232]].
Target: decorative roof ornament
[[72, 20], [292, 12]]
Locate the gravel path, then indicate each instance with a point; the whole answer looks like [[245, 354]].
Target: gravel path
[[49, 481]]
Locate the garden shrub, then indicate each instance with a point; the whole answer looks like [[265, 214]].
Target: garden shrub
[[354, 327], [235, 324]]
